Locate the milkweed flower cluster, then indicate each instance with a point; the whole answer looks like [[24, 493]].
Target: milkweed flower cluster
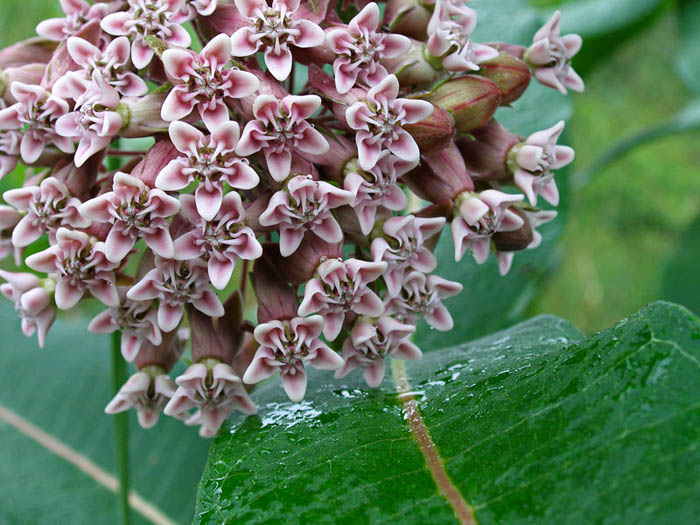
[[329, 197]]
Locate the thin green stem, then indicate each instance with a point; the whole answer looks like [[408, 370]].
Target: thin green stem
[[121, 429]]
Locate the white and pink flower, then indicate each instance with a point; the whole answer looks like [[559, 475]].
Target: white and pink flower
[[148, 18], [33, 303], [280, 129], [379, 120], [147, 393], [214, 390], [202, 81], [45, 208], [94, 121], [210, 161], [81, 265], [360, 47], [536, 158], [286, 346], [220, 241], [403, 246], [273, 29], [112, 64], [34, 116], [422, 295], [342, 287], [550, 55], [371, 342], [478, 217], [376, 188], [135, 211], [174, 284], [79, 13], [305, 205]]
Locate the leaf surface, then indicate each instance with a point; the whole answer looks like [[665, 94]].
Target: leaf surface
[[62, 390], [535, 424]]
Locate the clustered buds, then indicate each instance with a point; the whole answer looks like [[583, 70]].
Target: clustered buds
[[312, 193]]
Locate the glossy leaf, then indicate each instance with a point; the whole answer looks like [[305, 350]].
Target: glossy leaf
[[533, 425], [63, 390]]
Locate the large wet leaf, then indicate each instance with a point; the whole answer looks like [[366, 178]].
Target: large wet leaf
[[62, 390], [536, 424]]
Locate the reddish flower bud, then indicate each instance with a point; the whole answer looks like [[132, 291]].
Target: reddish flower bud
[[441, 177], [472, 100], [302, 264], [414, 67], [276, 299], [407, 17], [164, 355], [33, 50], [486, 151], [511, 75], [434, 132], [217, 338], [513, 241]]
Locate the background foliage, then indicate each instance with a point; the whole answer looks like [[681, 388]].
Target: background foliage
[[632, 235]]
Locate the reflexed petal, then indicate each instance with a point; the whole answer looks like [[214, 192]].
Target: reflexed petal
[[295, 385]]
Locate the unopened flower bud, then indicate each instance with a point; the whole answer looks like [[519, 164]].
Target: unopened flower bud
[[516, 240], [472, 100], [414, 67], [27, 74], [407, 17], [486, 151], [434, 132], [276, 299], [217, 338], [441, 177], [33, 50], [302, 264], [511, 75], [141, 115]]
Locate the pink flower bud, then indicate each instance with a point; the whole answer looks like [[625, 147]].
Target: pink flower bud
[[486, 151], [511, 75], [471, 100]]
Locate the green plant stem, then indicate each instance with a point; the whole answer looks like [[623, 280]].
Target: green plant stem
[[118, 370]]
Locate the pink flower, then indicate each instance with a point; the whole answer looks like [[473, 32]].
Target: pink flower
[[9, 217], [9, 149], [550, 54], [422, 295], [273, 29], [281, 128], [376, 187], [535, 160], [94, 123], [378, 123], [479, 217], [403, 247], [47, 207], [360, 48], [287, 346], [192, 8], [304, 205], [79, 13], [210, 161], [112, 64], [35, 114], [135, 211], [146, 392], [449, 40], [137, 321], [148, 18], [220, 241], [203, 81], [81, 265], [341, 287], [32, 302], [175, 283], [214, 390], [371, 342]]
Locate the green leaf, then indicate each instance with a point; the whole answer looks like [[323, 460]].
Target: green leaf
[[534, 424], [62, 391], [688, 62]]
